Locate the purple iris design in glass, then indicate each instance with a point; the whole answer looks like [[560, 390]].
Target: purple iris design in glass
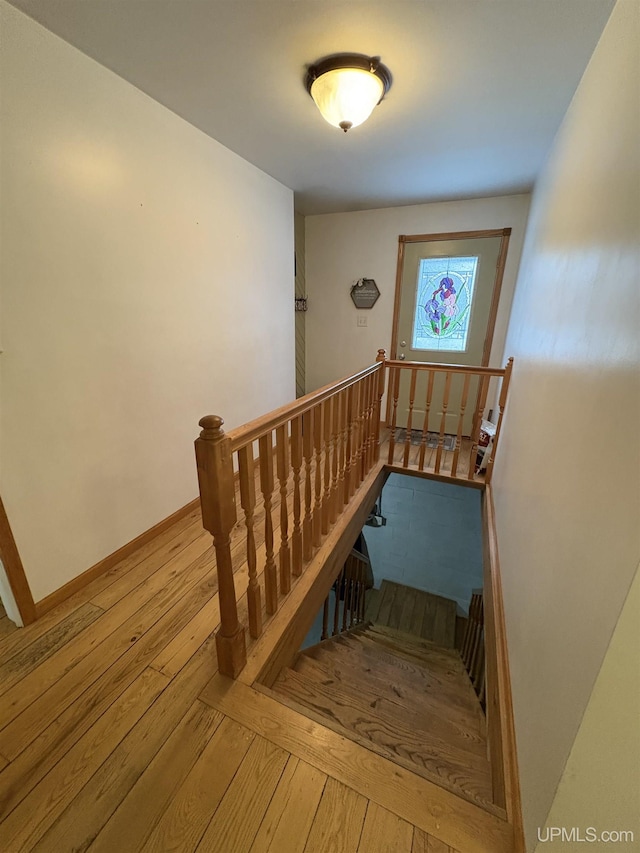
[[433, 310], [446, 288]]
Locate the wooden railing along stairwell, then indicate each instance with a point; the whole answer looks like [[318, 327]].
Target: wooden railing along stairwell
[[324, 445], [307, 459]]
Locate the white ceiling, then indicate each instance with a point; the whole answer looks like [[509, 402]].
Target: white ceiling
[[480, 86]]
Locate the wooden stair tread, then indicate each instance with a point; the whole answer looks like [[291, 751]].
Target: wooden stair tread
[[446, 667], [406, 722], [417, 612], [419, 711], [447, 675], [411, 641], [364, 650], [457, 770], [463, 706], [447, 602]]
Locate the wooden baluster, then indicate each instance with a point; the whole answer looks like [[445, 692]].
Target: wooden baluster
[[425, 427], [468, 634], [356, 467], [353, 441], [296, 463], [394, 381], [477, 417], [379, 392], [348, 446], [362, 431], [502, 402], [282, 460], [217, 499], [463, 406], [307, 444], [325, 619], [443, 421], [316, 524], [366, 427], [371, 404], [336, 609], [326, 498], [366, 439], [247, 475], [352, 591], [345, 600], [356, 462], [266, 484], [347, 594], [342, 462], [335, 474], [412, 396]]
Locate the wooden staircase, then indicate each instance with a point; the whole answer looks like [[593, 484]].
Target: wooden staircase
[[413, 611], [399, 695]]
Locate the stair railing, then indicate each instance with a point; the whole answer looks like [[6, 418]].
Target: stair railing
[[323, 446], [473, 651], [349, 588], [311, 456], [432, 405]]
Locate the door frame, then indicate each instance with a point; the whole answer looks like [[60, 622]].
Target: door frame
[[403, 239], [14, 570]]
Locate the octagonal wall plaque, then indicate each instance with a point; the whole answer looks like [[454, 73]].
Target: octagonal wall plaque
[[365, 293]]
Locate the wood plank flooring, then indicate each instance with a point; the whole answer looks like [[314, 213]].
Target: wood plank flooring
[[117, 735]]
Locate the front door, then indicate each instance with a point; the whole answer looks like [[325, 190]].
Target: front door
[[447, 291]]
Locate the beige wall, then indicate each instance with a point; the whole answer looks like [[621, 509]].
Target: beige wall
[[343, 247], [301, 290], [600, 786], [567, 474], [147, 279]]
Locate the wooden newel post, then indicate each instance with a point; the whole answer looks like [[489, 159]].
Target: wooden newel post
[[502, 402], [381, 357], [217, 500]]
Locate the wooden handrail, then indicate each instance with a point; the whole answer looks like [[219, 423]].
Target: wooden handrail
[[446, 368], [251, 431]]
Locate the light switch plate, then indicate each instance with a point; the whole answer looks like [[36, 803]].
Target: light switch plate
[[362, 320]]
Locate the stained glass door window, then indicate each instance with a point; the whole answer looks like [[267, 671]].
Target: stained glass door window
[[444, 296]]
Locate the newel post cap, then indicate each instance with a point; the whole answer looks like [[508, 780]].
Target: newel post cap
[[211, 427], [382, 355]]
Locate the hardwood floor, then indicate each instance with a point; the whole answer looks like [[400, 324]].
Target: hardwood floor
[[117, 735]]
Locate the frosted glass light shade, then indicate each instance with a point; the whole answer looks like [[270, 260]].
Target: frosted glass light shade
[[346, 96]]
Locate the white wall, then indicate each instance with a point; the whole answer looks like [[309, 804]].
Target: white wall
[[600, 786], [566, 477], [147, 279], [343, 247]]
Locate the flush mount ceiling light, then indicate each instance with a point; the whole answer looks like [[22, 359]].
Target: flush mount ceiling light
[[347, 86]]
